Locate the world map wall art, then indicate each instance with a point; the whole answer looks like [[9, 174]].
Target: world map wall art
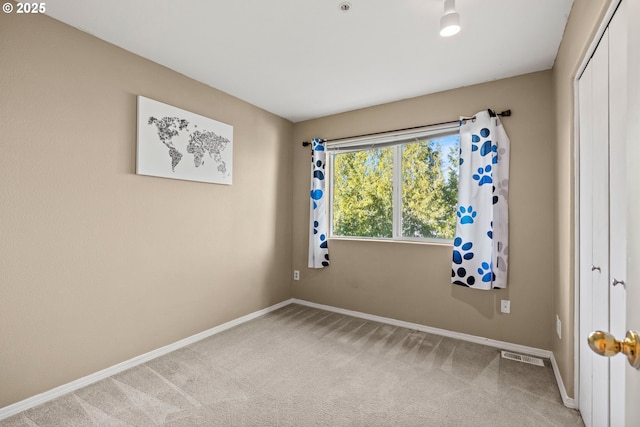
[[174, 143]]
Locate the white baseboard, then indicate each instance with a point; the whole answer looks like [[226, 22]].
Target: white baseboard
[[569, 402], [33, 401], [38, 399], [532, 351]]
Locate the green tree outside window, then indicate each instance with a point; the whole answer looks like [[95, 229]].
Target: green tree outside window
[[363, 190]]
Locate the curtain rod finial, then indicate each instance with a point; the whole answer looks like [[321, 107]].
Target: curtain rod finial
[[306, 143]]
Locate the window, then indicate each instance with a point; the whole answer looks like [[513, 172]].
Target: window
[[422, 203]]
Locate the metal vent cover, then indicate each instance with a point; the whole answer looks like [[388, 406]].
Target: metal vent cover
[[522, 358]]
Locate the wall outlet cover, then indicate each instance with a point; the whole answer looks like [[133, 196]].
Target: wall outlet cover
[[505, 306]]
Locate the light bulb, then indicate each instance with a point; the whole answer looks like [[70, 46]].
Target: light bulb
[[450, 21]]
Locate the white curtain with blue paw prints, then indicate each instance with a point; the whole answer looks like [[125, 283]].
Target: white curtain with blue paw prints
[[481, 247], [318, 231]]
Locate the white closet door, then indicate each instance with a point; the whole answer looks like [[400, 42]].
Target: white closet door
[[633, 202], [604, 221], [586, 242], [594, 233], [617, 204], [600, 227]]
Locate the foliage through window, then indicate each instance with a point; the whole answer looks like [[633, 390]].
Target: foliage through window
[[422, 204]]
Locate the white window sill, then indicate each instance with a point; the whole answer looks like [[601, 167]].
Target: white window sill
[[437, 242]]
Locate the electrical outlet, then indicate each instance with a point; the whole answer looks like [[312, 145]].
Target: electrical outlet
[[505, 306], [296, 274], [558, 326]]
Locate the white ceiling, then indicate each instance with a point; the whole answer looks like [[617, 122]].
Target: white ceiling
[[302, 59]]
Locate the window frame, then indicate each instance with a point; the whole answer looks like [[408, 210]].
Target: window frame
[[396, 140]]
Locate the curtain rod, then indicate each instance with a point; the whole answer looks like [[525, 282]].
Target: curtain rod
[[505, 113]]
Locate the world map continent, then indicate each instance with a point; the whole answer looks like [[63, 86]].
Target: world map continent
[[200, 143]]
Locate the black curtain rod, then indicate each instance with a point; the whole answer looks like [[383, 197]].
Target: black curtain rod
[[505, 113]]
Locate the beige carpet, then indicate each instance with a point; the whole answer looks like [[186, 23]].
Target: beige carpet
[[300, 366]]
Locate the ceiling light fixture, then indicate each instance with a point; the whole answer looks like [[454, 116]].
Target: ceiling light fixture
[[450, 21]]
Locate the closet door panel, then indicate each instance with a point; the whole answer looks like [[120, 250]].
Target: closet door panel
[[586, 241], [617, 203], [600, 226]]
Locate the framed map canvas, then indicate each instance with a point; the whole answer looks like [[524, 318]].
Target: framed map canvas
[[174, 143]]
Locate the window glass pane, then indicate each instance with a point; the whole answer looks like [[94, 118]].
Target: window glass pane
[[430, 187], [362, 193]]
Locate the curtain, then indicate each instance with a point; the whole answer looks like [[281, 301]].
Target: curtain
[[480, 247], [318, 245]]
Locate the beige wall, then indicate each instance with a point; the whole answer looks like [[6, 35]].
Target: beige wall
[[98, 265], [583, 23], [410, 281]]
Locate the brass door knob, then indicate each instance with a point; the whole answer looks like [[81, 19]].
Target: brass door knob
[[607, 345]]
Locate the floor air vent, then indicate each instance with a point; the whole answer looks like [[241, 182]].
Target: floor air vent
[[522, 358]]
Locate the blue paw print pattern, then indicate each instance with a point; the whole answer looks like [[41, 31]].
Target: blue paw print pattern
[[483, 176], [318, 170], [323, 241], [486, 272], [462, 251], [316, 195], [318, 165], [461, 278], [466, 214], [487, 147], [319, 247], [474, 142], [486, 163], [318, 144]]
